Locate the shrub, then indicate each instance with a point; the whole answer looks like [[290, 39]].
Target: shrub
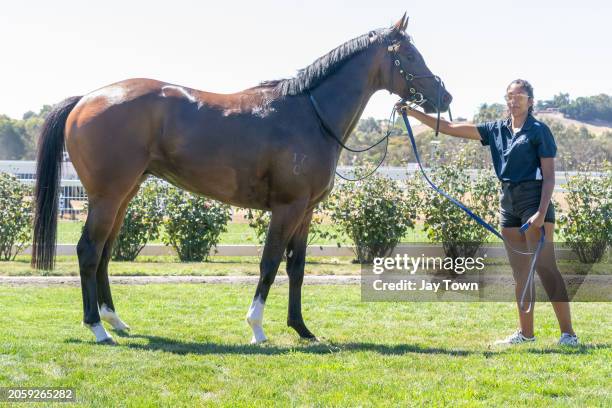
[[141, 224], [15, 216], [587, 226], [375, 213], [193, 224], [259, 220], [444, 222]]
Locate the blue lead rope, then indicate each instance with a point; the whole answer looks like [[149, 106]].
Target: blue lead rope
[[530, 283]]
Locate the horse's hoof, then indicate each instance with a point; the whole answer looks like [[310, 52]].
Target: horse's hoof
[[258, 333], [108, 342], [125, 329], [260, 340], [99, 331], [301, 330], [109, 316], [310, 339]]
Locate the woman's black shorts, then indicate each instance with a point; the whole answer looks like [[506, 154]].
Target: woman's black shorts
[[519, 201]]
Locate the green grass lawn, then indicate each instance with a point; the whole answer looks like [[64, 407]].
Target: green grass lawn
[[189, 347], [69, 232]]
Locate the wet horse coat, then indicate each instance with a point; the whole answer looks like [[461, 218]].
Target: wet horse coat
[[260, 148]]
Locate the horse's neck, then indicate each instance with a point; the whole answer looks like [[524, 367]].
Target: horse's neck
[[344, 95]]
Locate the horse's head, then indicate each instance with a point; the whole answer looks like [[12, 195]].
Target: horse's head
[[406, 73]]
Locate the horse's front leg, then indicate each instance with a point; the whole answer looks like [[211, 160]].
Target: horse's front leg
[[296, 260], [284, 221]]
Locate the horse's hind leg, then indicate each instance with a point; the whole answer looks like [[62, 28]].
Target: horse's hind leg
[[284, 220], [100, 222], [105, 300], [296, 260]]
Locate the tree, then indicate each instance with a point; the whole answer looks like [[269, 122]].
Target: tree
[[561, 100], [598, 107], [368, 125], [12, 146], [487, 113]]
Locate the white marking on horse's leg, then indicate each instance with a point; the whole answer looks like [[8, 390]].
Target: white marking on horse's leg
[[99, 331], [255, 319], [111, 318]]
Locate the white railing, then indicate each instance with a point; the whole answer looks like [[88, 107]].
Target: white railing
[[72, 195]]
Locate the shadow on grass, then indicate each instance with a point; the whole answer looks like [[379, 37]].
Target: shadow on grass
[[168, 345]]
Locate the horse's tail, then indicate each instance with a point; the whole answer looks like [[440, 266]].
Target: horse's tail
[[48, 177]]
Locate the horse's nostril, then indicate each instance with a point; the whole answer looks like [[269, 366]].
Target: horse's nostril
[[447, 98]]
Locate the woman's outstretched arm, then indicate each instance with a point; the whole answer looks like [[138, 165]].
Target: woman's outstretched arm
[[464, 130]]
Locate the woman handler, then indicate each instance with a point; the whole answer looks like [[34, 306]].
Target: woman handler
[[523, 151]]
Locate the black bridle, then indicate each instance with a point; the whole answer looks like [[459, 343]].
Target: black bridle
[[415, 98]]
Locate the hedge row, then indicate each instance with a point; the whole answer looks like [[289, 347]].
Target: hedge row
[[374, 213]]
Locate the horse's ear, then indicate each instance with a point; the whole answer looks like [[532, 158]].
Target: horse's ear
[[401, 24], [405, 23]]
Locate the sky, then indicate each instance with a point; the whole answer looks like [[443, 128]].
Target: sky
[[55, 49]]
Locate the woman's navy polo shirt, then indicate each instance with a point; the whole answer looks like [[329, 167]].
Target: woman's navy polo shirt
[[516, 157]]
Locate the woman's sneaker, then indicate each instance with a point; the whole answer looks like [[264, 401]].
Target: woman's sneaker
[[568, 340], [516, 338]]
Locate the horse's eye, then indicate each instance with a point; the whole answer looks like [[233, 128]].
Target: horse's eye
[[409, 56]]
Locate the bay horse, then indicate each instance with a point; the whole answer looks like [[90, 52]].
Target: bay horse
[[262, 148]]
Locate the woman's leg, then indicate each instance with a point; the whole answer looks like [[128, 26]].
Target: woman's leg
[[520, 270], [551, 277]]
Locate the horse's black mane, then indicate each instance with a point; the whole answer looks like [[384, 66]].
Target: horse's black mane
[[314, 73]]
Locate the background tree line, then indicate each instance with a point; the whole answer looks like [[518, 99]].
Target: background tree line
[[18, 137], [596, 108]]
